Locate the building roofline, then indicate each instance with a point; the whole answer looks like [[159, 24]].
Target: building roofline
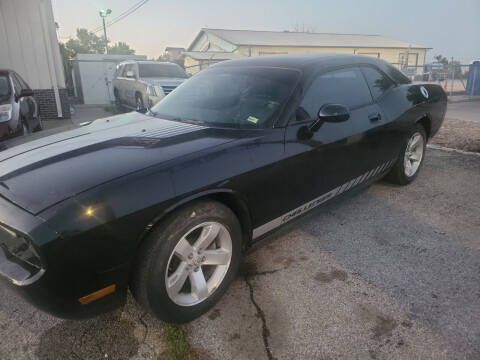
[[289, 32], [204, 30]]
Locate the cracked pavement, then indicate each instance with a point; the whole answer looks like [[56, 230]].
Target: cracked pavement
[[388, 273]]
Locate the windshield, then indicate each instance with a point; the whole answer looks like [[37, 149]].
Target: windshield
[[4, 86], [240, 97], [161, 70]]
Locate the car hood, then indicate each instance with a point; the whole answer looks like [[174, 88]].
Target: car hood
[[164, 81], [43, 172]]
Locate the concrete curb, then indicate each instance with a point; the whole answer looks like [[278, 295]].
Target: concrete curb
[[447, 149], [463, 99]]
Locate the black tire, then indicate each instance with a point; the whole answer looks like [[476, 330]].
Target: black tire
[[397, 174], [140, 107], [148, 280], [39, 127], [118, 104], [24, 130]]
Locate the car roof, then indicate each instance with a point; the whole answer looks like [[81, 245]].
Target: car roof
[[311, 63], [302, 61]]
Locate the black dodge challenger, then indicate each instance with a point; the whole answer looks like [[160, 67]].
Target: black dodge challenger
[[165, 203]]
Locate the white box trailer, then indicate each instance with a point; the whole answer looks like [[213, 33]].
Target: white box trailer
[[93, 75]]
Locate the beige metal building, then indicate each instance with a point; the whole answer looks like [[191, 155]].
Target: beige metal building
[[257, 43], [194, 61]]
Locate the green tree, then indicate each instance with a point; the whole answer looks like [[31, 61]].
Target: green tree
[[121, 48], [86, 42], [441, 59]]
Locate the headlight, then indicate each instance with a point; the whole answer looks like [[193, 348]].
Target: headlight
[[5, 112], [19, 247], [151, 90]]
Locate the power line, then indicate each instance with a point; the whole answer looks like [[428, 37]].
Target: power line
[[126, 12], [123, 15]]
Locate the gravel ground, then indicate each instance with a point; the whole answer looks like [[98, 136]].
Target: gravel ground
[[459, 134], [388, 273], [461, 128]]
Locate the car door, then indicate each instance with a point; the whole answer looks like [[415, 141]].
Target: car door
[[337, 154], [383, 90], [131, 84]]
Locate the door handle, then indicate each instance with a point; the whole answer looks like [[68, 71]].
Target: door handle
[[375, 117]]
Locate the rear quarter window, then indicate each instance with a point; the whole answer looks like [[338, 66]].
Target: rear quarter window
[[378, 82]]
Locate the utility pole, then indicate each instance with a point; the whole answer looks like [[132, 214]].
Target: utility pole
[[103, 15], [453, 76]]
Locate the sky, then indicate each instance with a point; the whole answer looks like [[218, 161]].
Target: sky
[[449, 27]]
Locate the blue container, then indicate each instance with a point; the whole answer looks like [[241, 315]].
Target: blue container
[[473, 79]]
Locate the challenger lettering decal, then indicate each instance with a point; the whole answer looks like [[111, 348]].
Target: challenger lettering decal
[[321, 199]]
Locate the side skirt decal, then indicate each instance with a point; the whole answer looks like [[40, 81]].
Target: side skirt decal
[[292, 214]]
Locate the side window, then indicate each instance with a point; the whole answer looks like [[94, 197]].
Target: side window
[[379, 83], [126, 68], [130, 67], [16, 84], [345, 86]]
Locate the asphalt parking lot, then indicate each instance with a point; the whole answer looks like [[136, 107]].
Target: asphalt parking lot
[[387, 273], [391, 272]]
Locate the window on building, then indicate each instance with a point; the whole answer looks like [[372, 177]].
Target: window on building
[[372, 54], [412, 59]]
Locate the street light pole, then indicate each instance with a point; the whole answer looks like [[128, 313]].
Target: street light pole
[[103, 15]]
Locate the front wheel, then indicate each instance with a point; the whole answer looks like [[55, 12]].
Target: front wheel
[[188, 262], [411, 158]]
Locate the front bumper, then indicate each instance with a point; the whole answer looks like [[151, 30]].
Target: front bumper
[[56, 285]]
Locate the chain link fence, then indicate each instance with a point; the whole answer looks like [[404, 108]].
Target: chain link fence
[[452, 76]]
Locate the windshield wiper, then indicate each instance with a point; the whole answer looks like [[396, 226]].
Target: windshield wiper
[[176, 118]]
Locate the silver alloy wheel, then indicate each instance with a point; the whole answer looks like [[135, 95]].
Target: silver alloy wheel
[[413, 154], [198, 263]]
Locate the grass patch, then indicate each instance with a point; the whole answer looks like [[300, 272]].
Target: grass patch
[[176, 340]]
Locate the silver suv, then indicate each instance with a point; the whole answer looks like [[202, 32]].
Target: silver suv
[[141, 84]]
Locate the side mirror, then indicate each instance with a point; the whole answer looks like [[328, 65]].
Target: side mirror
[[130, 74], [25, 93], [333, 113]]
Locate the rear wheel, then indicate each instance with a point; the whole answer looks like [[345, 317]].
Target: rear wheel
[[39, 127], [24, 129], [118, 103], [188, 262], [410, 160]]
